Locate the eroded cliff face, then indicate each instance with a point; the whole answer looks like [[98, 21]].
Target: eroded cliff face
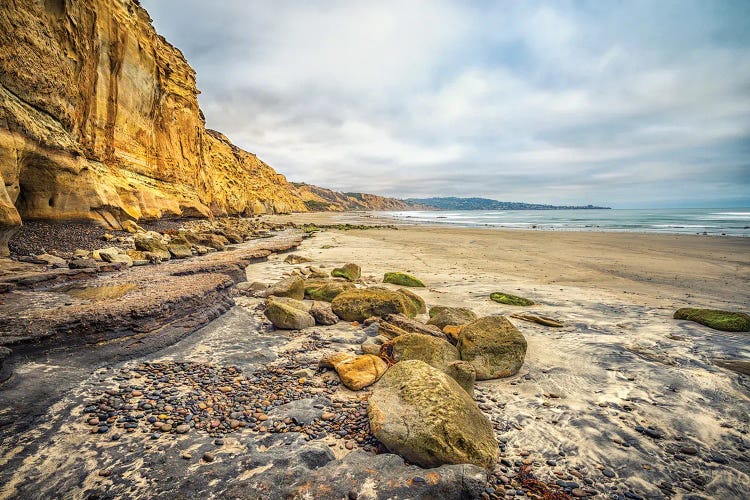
[[321, 199], [99, 119]]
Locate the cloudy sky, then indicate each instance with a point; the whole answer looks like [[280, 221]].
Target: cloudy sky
[[621, 103]]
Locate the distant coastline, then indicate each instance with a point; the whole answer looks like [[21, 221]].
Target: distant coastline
[[713, 222], [454, 203]]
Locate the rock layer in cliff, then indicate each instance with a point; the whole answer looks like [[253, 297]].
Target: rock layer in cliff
[[99, 120]]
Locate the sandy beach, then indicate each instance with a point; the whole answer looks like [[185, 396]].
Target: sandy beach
[[623, 401], [621, 363]]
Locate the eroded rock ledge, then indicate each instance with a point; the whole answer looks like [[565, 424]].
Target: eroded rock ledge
[[189, 292]]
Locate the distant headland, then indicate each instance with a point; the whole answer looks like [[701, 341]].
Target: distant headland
[[453, 203]]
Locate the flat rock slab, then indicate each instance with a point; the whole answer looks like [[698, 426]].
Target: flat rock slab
[[191, 289]]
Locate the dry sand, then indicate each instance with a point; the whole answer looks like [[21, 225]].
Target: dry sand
[[620, 362]]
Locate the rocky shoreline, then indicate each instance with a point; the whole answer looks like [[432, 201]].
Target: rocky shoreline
[[127, 393]]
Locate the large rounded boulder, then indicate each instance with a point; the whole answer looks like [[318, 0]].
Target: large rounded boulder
[[288, 314], [423, 415], [441, 316], [292, 287], [436, 352], [361, 303], [493, 346]]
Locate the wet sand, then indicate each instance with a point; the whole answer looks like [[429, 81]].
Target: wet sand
[[622, 387]]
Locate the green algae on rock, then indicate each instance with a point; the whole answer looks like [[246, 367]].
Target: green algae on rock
[[418, 301], [359, 304], [511, 300], [726, 321], [425, 416], [325, 290], [402, 279], [350, 272]]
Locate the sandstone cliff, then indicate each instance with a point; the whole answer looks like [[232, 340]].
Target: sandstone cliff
[[99, 119], [322, 199]]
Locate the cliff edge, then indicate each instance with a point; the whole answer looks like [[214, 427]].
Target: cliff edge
[[99, 120]]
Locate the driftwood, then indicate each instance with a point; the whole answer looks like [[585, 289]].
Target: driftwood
[[535, 318]]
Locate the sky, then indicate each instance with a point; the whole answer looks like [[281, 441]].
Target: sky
[[619, 103]]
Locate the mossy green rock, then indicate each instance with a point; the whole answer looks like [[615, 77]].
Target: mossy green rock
[[402, 279], [422, 414], [726, 321], [418, 301], [359, 304], [436, 352], [325, 290], [292, 287], [350, 272], [451, 316], [288, 315], [510, 299], [493, 346]]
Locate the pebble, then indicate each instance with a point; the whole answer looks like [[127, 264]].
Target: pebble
[[187, 456], [208, 456]]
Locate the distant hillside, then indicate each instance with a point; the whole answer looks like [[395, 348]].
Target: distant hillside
[[452, 203], [318, 199]]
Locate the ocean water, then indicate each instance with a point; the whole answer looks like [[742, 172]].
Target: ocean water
[[720, 221]]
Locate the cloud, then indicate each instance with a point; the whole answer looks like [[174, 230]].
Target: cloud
[[631, 104]]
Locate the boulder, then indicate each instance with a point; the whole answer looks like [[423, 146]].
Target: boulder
[[131, 227], [139, 258], [292, 287], [211, 240], [414, 326], [373, 345], [287, 315], [152, 243], [179, 248], [105, 253], [426, 417], [510, 299], [464, 374], [325, 290], [296, 259], [114, 255], [350, 272], [323, 314], [254, 287], [82, 264], [452, 332], [356, 372], [435, 352], [359, 304], [726, 321], [52, 260], [390, 330], [402, 279], [445, 316], [418, 301], [493, 346]]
